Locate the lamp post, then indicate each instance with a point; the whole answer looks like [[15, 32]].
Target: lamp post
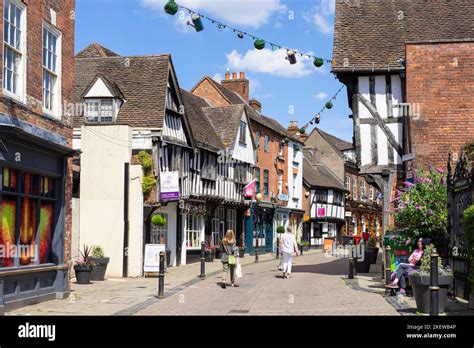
[[161, 276]]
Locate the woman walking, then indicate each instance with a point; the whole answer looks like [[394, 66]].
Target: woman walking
[[229, 258], [288, 248]]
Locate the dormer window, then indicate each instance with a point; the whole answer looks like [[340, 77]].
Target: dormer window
[[99, 110]]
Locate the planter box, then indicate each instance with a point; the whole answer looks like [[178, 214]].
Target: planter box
[[421, 284], [364, 266], [98, 271], [83, 274], [375, 253]]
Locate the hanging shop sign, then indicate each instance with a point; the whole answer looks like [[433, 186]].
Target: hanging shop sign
[[321, 212], [249, 190], [169, 184]]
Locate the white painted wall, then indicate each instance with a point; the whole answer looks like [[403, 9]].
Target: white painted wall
[[102, 194], [99, 90], [297, 192], [244, 153], [141, 139], [135, 212], [76, 211]]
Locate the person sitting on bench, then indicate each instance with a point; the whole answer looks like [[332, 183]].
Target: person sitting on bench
[[398, 276]]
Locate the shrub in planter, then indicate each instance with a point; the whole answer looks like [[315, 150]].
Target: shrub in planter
[[280, 229], [420, 282], [305, 245], [101, 262], [241, 251], [209, 254], [83, 266]]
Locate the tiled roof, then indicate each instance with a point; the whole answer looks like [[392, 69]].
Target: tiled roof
[[371, 34], [226, 121], [203, 131], [266, 121], [318, 175], [142, 80], [96, 50], [339, 144]]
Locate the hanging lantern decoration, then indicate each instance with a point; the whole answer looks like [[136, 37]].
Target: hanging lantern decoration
[[329, 105], [158, 220], [296, 148], [317, 119], [258, 197], [197, 21], [286, 140], [240, 35], [302, 130], [259, 44], [171, 7], [318, 62], [291, 56]]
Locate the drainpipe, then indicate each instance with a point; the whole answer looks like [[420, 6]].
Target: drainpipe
[[125, 220]]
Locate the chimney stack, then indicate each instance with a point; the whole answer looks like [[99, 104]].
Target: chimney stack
[[227, 75], [254, 103], [239, 85]]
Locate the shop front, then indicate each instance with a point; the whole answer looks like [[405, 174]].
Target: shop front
[[259, 228], [34, 214]]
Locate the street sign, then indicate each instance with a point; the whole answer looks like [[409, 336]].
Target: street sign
[[408, 157]]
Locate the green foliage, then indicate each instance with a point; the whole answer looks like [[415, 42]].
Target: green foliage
[[426, 260], [84, 258], [148, 183], [305, 243], [468, 226], [422, 207], [280, 229], [158, 220], [98, 252], [146, 160], [469, 151], [372, 242]]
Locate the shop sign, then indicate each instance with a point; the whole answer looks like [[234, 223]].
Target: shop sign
[[321, 212], [152, 257], [169, 185]]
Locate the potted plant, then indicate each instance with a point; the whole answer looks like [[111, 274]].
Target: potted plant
[[83, 266], [373, 249], [101, 262], [305, 245], [241, 251], [218, 251], [420, 282]]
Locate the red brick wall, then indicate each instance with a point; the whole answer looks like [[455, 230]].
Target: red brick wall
[[37, 11], [207, 91], [440, 77]]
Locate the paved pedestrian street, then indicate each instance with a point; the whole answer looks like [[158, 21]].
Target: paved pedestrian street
[[317, 287]]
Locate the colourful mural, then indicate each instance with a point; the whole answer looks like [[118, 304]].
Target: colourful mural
[[46, 231], [7, 235]]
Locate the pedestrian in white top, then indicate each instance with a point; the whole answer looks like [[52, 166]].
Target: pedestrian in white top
[[288, 248]]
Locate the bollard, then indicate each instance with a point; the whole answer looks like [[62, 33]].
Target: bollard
[[161, 276], [278, 248], [203, 260], [256, 250], [351, 260], [388, 271], [301, 249], [434, 288]]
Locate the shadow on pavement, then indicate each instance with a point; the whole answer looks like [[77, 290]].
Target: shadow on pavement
[[336, 267]]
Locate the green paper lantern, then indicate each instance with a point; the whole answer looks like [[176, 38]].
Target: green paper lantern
[[158, 220], [318, 62], [296, 148], [259, 44], [171, 7], [286, 140], [329, 105], [302, 130]]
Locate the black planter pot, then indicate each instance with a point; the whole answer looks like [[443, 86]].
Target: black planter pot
[[241, 252], [421, 291], [375, 253], [83, 274], [98, 271], [364, 266]]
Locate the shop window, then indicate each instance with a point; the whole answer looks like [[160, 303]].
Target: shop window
[[232, 220], [194, 227], [28, 218], [321, 196]]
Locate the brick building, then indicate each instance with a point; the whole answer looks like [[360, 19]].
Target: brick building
[[408, 68], [35, 150], [278, 171]]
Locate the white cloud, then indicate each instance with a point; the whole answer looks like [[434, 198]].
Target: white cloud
[[270, 62], [321, 15], [242, 12], [218, 77], [320, 96]]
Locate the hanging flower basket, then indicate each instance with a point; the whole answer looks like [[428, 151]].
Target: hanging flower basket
[[158, 220]]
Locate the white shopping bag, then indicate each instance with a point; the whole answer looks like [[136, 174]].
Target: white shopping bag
[[238, 271]]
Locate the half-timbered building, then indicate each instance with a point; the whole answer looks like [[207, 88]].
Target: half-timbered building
[[405, 64]]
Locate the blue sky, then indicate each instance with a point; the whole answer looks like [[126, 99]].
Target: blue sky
[[287, 92]]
